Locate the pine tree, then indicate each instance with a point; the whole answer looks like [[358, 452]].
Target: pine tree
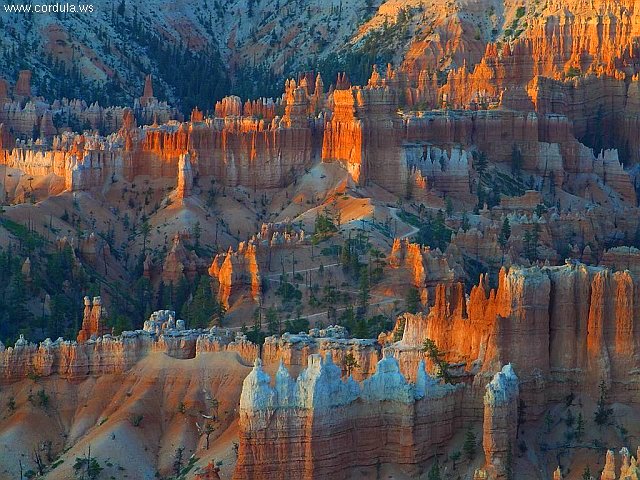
[[481, 163], [516, 161], [448, 207], [437, 358], [365, 290], [203, 309], [273, 321], [505, 233], [455, 456], [413, 300], [145, 229], [197, 233], [434, 473], [469, 444], [350, 363], [465, 222], [580, 427], [602, 413]]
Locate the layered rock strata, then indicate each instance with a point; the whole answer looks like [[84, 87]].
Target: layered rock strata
[[92, 321], [570, 326], [326, 426], [629, 469], [294, 349], [235, 271], [426, 268], [413, 154], [180, 262], [109, 354], [499, 429]]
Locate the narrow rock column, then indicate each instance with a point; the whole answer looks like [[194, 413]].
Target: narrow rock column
[[500, 422]]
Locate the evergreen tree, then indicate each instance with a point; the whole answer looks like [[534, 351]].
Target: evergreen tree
[[481, 163], [530, 240], [469, 446], [203, 309], [505, 233], [181, 294], [145, 229], [274, 324], [602, 413], [580, 427], [437, 358], [448, 207], [197, 233], [413, 300], [434, 232], [365, 291], [455, 457], [516, 161], [361, 328], [465, 222], [350, 363], [434, 473]]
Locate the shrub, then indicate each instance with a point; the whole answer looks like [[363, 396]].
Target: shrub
[[136, 419]]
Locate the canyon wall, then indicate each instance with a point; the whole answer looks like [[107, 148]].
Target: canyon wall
[[559, 329], [562, 329], [408, 153], [500, 422], [426, 268], [109, 354], [570, 326], [326, 426], [294, 349]]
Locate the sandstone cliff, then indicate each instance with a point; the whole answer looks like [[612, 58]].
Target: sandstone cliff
[[92, 322], [108, 354], [294, 349], [562, 325], [234, 271], [319, 411], [499, 430]]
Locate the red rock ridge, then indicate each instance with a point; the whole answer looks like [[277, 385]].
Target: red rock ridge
[[108, 354]]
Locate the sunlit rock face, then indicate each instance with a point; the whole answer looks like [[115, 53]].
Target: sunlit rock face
[[555, 325], [235, 271]]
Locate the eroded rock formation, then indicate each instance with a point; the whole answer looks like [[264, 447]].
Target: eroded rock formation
[[93, 324], [319, 412], [181, 263], [499, 430], [23, 85], [426, 268], [185, 177], [109, 354], [293, 350], [565, 325], [235, 270]]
